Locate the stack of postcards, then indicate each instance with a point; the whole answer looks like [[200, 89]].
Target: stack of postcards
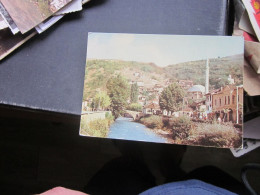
[[21, 17]]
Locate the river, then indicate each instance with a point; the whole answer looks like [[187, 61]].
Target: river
[[125, 128]]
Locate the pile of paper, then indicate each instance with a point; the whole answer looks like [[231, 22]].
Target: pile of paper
[[247, 24], [20, 20]]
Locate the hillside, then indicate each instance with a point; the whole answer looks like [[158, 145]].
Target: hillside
[[99, 71], [220, 69]]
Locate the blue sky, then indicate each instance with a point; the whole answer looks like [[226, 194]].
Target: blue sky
[[162, 50]]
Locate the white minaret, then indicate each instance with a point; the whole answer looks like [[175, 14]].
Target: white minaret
[[207, 77]]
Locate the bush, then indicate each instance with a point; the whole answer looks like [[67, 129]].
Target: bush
[[135, 107], [153, 122], [181, 127], [110, 118], [217, 135], [96, 128]]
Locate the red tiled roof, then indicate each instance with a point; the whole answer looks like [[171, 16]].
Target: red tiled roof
[[152, 106]]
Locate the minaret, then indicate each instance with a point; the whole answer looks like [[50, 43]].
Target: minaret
[[207, 77]]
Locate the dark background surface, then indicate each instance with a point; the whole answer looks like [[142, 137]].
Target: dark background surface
[[42, 149]]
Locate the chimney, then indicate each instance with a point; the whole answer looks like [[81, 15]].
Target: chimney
[[207, 77]]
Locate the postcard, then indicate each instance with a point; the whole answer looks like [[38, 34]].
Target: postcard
[[164, 88], [10, 42], [73, 6], [253, 10], [8, 20], [48, 23], [3, 24], [29, 13]]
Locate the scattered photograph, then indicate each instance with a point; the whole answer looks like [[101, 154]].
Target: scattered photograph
[[10, 42], [8, 20], [29, 13], [3, 24], [164, 88]]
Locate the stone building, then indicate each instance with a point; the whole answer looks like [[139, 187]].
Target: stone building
[[227, 103]]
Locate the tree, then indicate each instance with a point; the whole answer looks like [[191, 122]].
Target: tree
[[118, 91], [134, 93], [135, 107], [171, 98], [151, 97], [101, 100]]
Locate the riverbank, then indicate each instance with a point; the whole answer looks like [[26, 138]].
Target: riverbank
[[96, 127], [166, 133], [182, 130], [127, 129]]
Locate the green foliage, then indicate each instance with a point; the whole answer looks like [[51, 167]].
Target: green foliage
[[96, 128], [134, 93], [181, 127], [118, 91], [151, 97], [153, 121], [102, 100], [110, 118], [135, 107], [219, 70], [217, 135], [99, 71], [171, 98]]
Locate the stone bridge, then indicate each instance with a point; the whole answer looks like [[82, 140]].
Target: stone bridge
[[135, 115]]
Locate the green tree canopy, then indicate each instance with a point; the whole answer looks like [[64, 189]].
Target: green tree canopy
[[171, 98], [135, 107], [119, 92], [102, 100], [134, 93]]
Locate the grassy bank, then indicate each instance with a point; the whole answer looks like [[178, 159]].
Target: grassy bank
[[217, 135], [98, 127], [181, 130]]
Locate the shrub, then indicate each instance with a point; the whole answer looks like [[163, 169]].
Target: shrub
[[181, 127], [153, 122], [135, 107], [217, 135], [110, 118], [96, 128]]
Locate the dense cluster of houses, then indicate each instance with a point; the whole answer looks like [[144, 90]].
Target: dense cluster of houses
[[224, 104]]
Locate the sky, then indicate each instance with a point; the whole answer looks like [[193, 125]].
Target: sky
[[163, 50]]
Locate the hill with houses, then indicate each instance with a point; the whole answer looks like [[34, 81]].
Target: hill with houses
[[149, 75], [219, 71]]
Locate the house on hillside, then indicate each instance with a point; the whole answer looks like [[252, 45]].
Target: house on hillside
[[151, 108], [231, 81], [185, 84], [86, 105], [158, 88], [227, 103], [137, 74], [187, 111], [196, 92]]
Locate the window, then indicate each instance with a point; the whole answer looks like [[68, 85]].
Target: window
[[219, 101], [215, 102], [228, 99], [225, 100], [238, 98]]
